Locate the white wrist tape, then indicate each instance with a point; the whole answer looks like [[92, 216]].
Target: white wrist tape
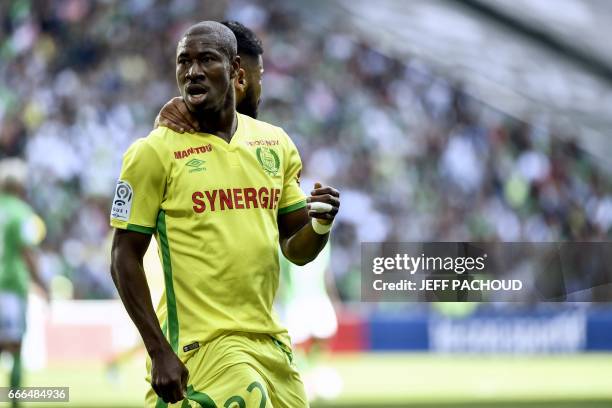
[[319, 228], [320, 207]]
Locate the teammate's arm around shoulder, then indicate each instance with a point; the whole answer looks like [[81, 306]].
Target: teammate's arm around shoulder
[[176, 116]]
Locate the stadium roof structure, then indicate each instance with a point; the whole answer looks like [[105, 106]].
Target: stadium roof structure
[[522, 57]]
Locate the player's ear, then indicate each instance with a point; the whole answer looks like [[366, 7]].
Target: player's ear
[[240, 82], [235, 67]]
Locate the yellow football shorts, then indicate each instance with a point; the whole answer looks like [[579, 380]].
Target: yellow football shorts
[[240, 370]]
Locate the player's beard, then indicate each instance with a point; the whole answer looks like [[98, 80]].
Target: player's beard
[[248, 105]]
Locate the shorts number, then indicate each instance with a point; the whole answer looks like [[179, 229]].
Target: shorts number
[[240, 401], [264, 399], [237, 399]]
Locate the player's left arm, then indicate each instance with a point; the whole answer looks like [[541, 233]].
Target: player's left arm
[[303, 222], [301, 239]]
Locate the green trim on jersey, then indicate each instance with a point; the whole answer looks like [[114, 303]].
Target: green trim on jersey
[[140, 228], [164, 328], [292, 207], [173, 326], [286, 351], [201, 398]]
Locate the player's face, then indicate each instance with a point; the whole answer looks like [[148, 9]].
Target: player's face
[[249, 103], [203, 73]]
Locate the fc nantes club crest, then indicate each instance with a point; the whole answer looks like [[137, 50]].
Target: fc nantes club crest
[[269, 160]]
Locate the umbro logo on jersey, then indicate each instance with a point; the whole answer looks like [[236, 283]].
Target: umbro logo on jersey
[[181, 154], [196, 165]]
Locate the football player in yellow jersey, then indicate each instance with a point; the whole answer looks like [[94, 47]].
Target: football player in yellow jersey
[[218, 202]]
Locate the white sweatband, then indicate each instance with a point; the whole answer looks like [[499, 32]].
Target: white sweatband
[[320, 228]]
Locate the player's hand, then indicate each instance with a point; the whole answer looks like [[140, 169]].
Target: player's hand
[[175, 115], [169, 376], [324, 194]]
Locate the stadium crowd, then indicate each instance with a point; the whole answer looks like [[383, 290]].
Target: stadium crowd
[[414, 156]]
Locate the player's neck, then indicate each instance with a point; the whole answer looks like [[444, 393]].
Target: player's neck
[[222, 123]]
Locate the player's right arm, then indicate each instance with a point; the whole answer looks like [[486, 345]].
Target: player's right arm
[[168, 374], [138, 199]]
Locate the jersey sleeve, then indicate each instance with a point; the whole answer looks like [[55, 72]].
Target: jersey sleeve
[[140, 189], [293, 198]]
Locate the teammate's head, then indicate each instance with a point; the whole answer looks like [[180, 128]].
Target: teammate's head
[[248, 83], [206, 65], [13, 176]]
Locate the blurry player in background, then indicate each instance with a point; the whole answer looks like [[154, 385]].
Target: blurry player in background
[[309, 315], [20, 231]]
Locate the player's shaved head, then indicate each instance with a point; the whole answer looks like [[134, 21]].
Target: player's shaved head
[[216, 33]]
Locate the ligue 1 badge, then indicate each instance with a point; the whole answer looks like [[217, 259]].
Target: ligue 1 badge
[[122, 203]]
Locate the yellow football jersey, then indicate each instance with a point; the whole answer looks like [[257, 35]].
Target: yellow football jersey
[[213, 208]]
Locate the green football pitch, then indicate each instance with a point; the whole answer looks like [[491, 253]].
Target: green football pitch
[[389, 380]]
